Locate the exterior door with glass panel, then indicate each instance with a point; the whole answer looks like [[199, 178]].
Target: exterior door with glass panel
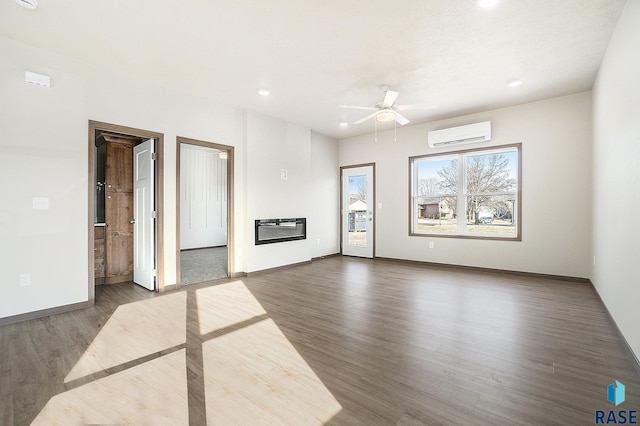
[[358, 206]]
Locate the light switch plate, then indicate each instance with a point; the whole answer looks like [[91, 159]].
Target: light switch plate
[[25, 280], [40, 203]]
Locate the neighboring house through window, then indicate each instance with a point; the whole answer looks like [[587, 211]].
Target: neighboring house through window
[[468, 194]]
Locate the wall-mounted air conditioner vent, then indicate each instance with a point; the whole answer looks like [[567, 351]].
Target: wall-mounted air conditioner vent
[[471, 133]]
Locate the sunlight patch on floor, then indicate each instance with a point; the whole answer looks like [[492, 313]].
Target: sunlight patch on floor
[[135, 330], [252, 373], [255, 376], [153, 393], [225, 305]]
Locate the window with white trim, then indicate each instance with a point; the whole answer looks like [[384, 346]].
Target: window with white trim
[[468, 194]]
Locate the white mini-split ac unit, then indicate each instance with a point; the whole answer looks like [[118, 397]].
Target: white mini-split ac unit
[[471, 133]]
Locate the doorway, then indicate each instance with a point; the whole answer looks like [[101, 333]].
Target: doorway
[[125, 206], [357, 205], [204, 211]]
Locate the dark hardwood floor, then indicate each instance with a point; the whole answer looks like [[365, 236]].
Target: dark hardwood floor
[[338, 341]]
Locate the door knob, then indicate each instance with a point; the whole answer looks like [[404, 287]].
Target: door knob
[[132, 221]]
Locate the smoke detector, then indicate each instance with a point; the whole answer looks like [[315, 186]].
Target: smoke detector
[[29, 4]]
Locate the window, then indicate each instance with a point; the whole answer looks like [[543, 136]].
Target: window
[[468, 194]]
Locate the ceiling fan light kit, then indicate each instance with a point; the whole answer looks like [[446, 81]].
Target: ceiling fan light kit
[[387, 110], [385, 116]]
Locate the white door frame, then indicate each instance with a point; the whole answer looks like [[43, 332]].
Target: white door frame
[[159, 195], [371, 214]]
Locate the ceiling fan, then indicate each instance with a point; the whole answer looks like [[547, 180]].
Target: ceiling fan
[[387, 111]]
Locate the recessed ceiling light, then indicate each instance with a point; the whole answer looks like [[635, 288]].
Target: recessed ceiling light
[[487, 3], [29, 4], [514, 82], [264, 92], [344, 124]]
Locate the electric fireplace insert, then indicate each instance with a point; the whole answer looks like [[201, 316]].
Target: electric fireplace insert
[[270, 231]]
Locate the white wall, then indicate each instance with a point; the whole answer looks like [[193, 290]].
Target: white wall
[[111, 99], [616, 176], [273, 145], [43, 153], [324, 226], [203, 197], [556, 195]]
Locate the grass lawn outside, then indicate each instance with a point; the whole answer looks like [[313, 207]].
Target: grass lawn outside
[[448, 226]]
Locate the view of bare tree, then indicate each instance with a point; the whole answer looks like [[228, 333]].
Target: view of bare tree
[[485, 174], [361, 190], [429, 186]]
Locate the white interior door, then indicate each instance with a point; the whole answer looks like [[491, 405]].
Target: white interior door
[[358, 205], [144, 215]]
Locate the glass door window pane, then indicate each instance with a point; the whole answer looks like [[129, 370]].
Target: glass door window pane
[[357, 211]]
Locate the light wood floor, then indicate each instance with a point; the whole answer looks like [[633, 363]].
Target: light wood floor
[[339, 341]]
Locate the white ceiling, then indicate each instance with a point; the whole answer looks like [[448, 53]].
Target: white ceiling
[[316, 55]]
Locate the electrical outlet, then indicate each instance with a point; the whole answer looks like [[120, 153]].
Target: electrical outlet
[[431, 244], [25, 280], [318, 241]]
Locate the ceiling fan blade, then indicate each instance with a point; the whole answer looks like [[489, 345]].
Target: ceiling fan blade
[[389, 98], [357, 107], [363, 119], [401, 120], [414, 106]]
